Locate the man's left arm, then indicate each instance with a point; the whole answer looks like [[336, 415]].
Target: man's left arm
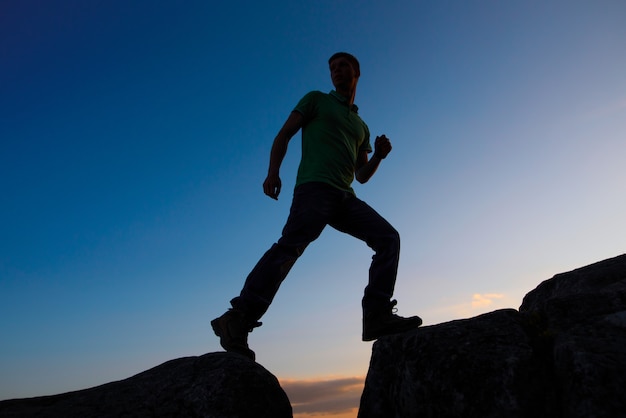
[[365, 168]]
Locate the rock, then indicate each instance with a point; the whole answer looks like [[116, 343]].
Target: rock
[[583, 314], [479, 367], [562, 355], [215, 385]]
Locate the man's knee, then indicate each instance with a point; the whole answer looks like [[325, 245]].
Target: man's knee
[[394, 239], [389, 241]]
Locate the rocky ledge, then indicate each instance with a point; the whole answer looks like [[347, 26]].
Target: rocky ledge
[[563, 354], [215, 385]]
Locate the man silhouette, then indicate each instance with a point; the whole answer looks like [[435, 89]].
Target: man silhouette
[[335, 147]]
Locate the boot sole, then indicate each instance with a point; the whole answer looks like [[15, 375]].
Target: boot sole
[[383, 332], [218, 330]]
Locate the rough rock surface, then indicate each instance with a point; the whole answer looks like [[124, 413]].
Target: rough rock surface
[[563, 354], [215, 385]]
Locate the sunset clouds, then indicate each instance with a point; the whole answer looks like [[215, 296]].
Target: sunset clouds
[[337, 397], [484, 300], [470, 305]]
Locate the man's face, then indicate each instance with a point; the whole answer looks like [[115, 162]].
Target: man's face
[[342, 73]]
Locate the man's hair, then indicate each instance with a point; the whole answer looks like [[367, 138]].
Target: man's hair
[[349, 57]]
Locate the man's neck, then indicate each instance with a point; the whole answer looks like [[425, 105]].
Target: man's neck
[[349, 94]]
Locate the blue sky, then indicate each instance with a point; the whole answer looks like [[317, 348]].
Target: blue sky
[[135, 138]]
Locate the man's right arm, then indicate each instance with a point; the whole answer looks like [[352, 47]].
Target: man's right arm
[[272, 184]]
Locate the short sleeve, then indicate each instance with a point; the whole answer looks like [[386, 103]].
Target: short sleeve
[[307, 105]]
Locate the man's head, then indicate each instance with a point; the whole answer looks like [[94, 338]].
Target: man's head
[[344, 72], [351, 59]]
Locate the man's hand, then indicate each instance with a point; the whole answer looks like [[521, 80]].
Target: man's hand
[[365, 168], [382, 147], [271, 186]]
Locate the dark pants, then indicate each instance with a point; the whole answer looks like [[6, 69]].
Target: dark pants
[[314, 206]]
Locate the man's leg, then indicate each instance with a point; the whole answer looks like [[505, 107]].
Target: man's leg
[[358, 219], [310, 210]]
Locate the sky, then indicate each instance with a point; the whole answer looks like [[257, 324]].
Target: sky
[[135, 138]]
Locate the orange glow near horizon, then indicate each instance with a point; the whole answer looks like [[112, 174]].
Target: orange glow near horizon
[[350, 414], [336, 397]]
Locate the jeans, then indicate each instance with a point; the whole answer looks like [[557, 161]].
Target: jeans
[[314, 206]]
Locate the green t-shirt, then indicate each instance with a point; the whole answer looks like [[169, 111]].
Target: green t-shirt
[[333, 134]]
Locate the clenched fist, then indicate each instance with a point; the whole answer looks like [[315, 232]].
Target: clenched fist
[[382, 147]]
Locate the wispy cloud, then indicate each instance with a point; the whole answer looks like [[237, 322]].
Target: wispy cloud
[[338, 397], [482, 303], [479, 303]]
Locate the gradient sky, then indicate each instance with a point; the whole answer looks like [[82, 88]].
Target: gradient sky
[[135, 138]]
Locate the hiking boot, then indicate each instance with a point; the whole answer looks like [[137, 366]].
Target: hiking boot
[[386, 322], [233, 328]]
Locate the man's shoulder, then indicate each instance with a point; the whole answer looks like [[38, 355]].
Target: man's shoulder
[[310, 101], [314, 94]]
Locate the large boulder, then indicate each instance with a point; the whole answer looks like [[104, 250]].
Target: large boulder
[[583, 315], [215, 385], [563, 354]]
